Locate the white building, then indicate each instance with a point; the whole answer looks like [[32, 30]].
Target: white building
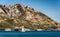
[[7, 29], [39, 29]]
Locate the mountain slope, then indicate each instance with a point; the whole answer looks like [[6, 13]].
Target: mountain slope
[[20, 15]]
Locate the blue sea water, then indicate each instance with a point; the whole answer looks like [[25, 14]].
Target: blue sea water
[[30, 34]]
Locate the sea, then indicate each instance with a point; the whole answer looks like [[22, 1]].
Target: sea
[[30, 34]]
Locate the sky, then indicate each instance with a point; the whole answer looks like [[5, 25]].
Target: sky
[[49, 7]]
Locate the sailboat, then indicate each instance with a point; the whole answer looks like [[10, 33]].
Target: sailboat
[[23, 29]]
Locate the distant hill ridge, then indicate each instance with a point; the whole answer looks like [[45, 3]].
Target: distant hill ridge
[[19, 15]]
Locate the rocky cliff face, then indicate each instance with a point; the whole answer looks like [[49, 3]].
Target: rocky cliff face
[[20, 15]]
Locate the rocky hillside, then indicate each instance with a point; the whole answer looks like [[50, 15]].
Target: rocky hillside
[[20, 15]]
